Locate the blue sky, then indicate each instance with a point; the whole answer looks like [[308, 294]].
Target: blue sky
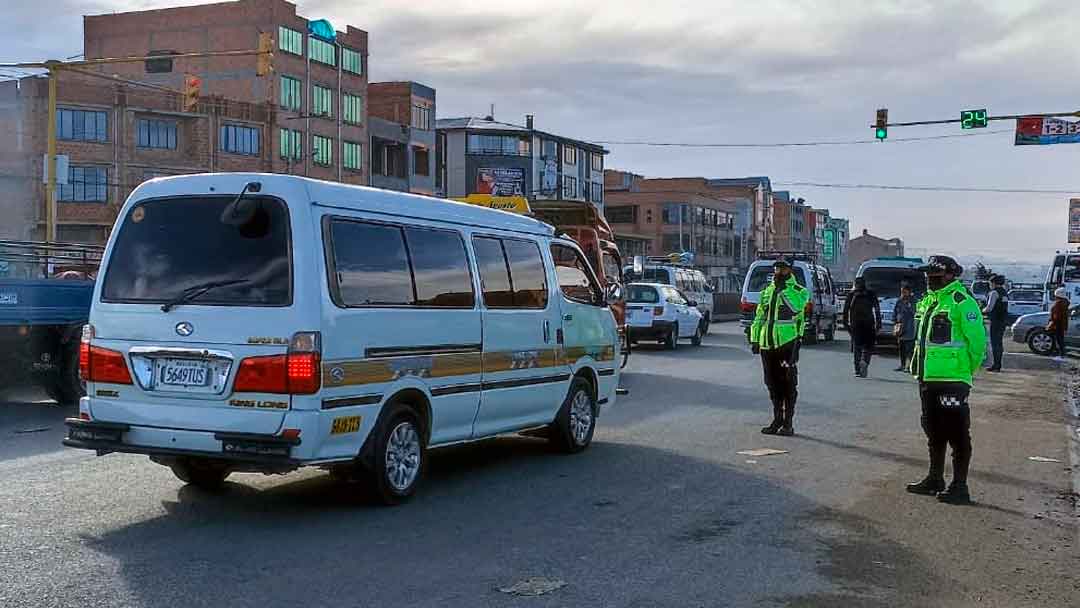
[[735, 72]]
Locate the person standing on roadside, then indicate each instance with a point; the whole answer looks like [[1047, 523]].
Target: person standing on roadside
[[1059, 321], [776, 335], [862, 315], [950, 345], [997, 310], [904, 325]]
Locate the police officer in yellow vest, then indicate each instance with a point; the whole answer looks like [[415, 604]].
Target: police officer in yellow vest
[[950, 343], [776, 334]]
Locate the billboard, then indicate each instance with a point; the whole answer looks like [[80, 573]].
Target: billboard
[[1074, 220], [1038, 130], [499, 181], [829, 249]]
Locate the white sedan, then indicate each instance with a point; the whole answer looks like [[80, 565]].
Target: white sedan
[[662, 313]]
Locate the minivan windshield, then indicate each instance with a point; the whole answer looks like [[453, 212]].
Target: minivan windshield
[[885, 282], [649, 275], [167, 246], [761, 275]]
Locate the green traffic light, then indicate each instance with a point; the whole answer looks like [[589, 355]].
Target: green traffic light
[[881, 133]]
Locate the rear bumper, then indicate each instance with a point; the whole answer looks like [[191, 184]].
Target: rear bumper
[[657, 330], [248, 451]]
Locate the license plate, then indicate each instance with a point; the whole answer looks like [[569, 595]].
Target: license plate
[[345, 424], [182, 372], [9, 298]]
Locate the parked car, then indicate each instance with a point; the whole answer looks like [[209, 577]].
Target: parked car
[[690, 281], [1031, 330], [884, 276], [338, 326], [822, 317], [1025, 302], [660, 312]]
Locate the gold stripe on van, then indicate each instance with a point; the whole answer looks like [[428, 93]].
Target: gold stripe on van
[[353, 372]]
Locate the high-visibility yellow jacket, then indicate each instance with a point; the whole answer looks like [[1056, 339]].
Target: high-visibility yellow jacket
[[950, 342], [781, 315]]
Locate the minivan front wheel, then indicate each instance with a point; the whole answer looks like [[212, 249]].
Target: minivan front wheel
[[400, 455], [200, 473], [573, 428]]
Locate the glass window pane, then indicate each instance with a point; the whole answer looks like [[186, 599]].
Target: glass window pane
[[528, 274], [371, 263], [102, 126], [440, 268], [575, 279], [493, 275]]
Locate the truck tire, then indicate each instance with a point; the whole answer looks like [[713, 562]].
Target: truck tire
[[65, 386]]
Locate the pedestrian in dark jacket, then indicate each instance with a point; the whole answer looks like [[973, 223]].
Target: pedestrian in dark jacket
[[862, 314], [1059, 320], [904, 325], [997, 310]]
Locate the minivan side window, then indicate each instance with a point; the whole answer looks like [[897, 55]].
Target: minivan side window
[[575, 278], [528, 277], [388, 265], [494, 273]]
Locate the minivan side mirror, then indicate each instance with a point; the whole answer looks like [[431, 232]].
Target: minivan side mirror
[[614, 293]]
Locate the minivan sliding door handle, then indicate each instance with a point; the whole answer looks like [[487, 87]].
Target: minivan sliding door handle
[[547, 331], [568, 317]]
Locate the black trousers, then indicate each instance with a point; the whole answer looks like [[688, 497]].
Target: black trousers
[[781, 368], [863, 339], [907, 349], [946, 420], [1059, 341], [997, 344]]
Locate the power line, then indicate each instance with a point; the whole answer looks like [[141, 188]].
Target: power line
[[850, 142], [928, 188]]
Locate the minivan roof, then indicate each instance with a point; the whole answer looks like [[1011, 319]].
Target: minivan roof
[[343, 196]]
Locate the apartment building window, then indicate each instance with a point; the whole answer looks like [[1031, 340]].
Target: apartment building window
[[158, 134], [321, 51], [421, 117], [240, 139], [570, 187], [569, 155], [622, 214], [421, 161], [597, 162], [322, 101], [671, 243], [550, 148], [351, 155], [597, 192], [290, 143], [505, 145], [290, 41], [323, 150], [352, 61], [85, 185], [291, 93], [82, 125], [672, 213], [352, 108]]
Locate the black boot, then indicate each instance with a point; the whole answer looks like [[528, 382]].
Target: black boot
[[957, 494], [787, 430], [777, 419], [934, 481]]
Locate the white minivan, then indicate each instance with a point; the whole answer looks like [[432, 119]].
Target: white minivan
[[255, 322]]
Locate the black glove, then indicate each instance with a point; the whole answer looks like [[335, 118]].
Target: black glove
[[755, 348], [795, 352]]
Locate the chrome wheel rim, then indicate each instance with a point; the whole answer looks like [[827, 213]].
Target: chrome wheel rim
[[1041, 342], [403, 456], [581, 417]]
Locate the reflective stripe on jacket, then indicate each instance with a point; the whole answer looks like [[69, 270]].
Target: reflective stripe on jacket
[[781, 315], [950, 343]]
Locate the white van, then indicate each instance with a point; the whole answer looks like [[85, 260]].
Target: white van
[[884, 276], [311, 323], [691, 281], [823, 316]]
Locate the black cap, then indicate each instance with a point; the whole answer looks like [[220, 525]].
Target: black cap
[[997, 279], [942, 264], [781, 262]]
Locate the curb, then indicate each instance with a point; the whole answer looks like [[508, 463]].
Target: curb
[[1072, 425]]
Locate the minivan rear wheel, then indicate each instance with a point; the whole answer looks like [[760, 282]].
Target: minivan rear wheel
[[200, 473], [399, 455], [572, 430]]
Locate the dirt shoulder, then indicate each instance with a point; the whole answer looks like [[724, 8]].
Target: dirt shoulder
[[1019, 545]]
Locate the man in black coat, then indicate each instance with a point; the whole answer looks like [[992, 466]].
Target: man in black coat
[[862, 314], [997, 310]]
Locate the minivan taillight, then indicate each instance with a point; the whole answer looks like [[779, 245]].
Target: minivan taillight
[[97, 364], [299, 372], [748, 306]]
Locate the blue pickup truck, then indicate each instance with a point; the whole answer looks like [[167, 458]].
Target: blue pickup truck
[[45, 293]]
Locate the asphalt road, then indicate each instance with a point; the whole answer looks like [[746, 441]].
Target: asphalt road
[[660, 511]]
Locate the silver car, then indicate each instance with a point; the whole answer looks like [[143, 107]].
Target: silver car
[[1031, 330]]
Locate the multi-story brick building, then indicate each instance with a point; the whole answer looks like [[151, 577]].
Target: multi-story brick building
[[673, 215], [318, 88], [868, 246], [115, 136], [401, 121], [792, 224], [754, 194]]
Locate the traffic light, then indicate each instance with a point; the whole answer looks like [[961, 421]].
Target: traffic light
[[881, 127], [192, 89], [265, 63]]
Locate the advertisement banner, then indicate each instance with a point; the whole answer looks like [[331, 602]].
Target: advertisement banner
[[1074, 221], [515, 204], [500, 181], [1039, 131]]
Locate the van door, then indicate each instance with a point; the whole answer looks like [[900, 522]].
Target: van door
[[404, 316], [588, 328], [524, 382]]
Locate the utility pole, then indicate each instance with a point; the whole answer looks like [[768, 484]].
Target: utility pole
[[50, 160]]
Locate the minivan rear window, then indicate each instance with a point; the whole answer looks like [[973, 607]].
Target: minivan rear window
[[761, 275], [649, 275], [642, 294], [167, 246]]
